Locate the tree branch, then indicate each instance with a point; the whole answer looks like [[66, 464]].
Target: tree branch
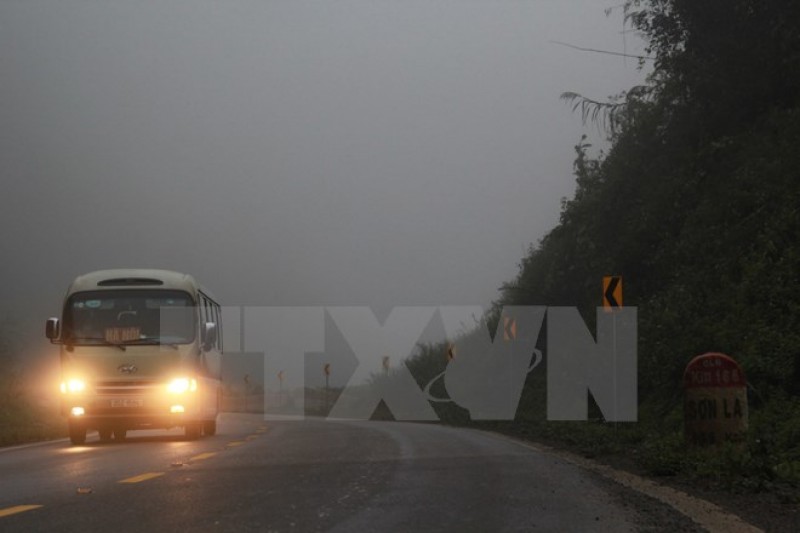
[[582, 49]]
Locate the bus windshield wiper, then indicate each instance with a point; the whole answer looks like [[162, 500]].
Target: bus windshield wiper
[[101, 341], [151, 340]]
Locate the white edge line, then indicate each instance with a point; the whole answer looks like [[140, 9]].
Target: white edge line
[[5, 449]]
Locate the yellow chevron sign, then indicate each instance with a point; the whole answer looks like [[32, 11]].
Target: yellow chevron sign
[[612, 292]]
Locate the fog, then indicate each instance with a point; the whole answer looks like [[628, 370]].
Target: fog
[[376, 153]]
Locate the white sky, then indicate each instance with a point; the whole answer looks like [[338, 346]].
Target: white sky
[[356, 152]]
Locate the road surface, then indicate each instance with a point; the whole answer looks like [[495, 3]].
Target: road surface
[[313, 475]]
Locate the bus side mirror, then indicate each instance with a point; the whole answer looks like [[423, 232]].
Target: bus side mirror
[[51, 329], [209, 335]]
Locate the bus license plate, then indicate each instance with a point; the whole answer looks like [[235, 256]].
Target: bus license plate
[[126, 402]]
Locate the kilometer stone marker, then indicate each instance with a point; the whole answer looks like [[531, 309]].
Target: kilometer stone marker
[[715, 407]]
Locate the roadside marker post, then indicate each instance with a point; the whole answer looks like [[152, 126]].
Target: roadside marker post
[[715, 402]]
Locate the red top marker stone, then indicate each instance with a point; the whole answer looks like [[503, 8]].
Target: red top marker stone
[[713, 370]]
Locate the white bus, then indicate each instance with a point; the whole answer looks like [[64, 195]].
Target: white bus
[[140, 349]]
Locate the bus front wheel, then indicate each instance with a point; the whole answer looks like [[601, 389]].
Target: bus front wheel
[[104, 433], [77, 432], [192, 430]]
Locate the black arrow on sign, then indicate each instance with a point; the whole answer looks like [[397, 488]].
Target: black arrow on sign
[[609, 294]]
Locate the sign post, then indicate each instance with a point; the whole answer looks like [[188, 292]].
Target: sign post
[[246, 390], [612, 301], [451, 352], [281, 399], [326, 369], [715, 406]]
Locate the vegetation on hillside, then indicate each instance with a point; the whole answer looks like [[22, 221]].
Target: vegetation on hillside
[[697, 205], [23, 417]]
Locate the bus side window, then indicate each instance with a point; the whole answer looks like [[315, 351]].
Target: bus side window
[[210, 313], [218, 321], [206, 311], [201, 305], [212, 310]]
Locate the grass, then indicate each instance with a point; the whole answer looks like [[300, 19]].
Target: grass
[[769, 461], [24, 418]]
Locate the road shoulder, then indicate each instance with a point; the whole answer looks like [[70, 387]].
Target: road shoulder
[[707, 514]]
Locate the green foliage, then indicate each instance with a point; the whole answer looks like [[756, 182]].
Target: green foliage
[[8, 346], [664, 454], [697, 206], [696, 203], [22, 420]]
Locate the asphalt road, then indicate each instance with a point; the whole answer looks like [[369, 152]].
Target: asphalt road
[[312, 475]]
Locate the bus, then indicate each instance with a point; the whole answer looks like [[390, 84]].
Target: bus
[[139, 349]]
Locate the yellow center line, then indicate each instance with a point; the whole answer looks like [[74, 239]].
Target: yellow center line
[[142, 477], [8, 511], [203, 456], [235, 443]]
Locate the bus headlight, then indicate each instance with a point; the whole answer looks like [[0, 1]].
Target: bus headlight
[[73, 386], [181, 385]]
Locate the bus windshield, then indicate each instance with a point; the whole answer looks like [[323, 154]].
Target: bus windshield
[[129, 317]]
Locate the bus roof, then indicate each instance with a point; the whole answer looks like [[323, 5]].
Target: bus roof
[[136, 278]]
